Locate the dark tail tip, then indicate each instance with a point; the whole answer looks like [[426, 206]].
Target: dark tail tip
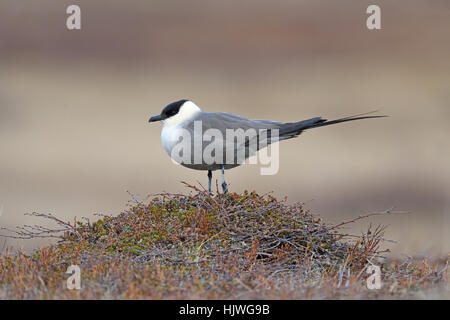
[[351, 118]]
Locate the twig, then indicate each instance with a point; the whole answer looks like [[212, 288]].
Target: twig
[[387, 212]]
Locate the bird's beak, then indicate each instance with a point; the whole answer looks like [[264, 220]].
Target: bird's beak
[[155, 118]]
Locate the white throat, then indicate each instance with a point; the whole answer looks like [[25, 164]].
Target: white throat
[[187, 111]]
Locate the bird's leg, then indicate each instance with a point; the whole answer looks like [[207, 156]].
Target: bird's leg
[[224, 184], [209, 181]]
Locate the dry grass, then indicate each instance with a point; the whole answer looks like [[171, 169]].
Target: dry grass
[[201, 247]]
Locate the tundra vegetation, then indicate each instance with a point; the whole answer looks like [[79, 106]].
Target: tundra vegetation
[[199, 246]]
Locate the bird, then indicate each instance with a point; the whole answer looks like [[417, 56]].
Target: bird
[[185, 117]]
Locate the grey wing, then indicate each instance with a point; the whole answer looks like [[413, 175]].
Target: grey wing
[[254, 130], [234, 121], [224, 120], [239, 137]]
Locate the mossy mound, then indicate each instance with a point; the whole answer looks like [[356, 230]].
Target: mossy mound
[[248, 228], [198, 247]]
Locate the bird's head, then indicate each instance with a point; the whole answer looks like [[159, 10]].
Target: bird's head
[[176, 112]]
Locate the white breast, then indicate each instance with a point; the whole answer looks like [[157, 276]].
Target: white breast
[[169, 137], [173, 127]]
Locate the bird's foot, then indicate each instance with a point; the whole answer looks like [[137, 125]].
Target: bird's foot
[[224, 188]]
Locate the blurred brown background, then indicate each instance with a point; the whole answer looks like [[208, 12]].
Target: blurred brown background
[[74, 105]]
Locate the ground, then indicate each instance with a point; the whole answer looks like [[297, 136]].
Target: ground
[[198, 246]]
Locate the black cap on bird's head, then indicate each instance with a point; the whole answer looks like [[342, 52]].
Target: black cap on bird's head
[[169, 111]]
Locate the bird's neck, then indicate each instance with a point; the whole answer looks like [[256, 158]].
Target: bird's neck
[[187, 111]]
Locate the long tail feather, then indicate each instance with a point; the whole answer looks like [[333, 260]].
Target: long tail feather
[[293, 129], [351, 118]]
